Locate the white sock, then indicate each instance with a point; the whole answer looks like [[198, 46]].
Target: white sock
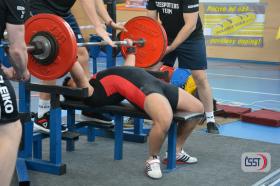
[[210, 117], [43, 107]]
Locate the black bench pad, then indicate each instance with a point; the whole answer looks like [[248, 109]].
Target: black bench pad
[[124, 109]]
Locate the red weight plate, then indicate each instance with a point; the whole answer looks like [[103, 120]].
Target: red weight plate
[[67, 46], [155, 40]]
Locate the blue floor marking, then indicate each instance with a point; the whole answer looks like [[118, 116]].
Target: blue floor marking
[[251, 131], [250, 85]]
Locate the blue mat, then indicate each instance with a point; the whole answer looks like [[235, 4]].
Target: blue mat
[[251, 131]]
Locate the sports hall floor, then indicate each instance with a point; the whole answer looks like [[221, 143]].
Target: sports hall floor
[[246, 84]]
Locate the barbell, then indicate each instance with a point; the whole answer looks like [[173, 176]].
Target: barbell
[[52, 46]]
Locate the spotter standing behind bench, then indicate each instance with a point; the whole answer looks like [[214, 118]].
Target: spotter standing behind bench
[[157, 98], [62, 8]]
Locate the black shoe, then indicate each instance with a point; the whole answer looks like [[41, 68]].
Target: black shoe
[[42, 123], [98, 117], [212, 128]]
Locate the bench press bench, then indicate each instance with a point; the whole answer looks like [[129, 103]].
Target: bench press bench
[[128, 110], [30, 157]]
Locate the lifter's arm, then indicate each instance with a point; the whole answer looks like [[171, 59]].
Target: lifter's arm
[[79, 77], [130, 58]]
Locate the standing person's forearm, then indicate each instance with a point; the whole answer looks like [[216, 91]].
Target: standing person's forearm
[[18, 61], [184, 33], [102, 12], [152, 14], [190, 25], [18, 51], [89, 7]]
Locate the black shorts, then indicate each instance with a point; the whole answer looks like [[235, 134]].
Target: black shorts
[[8, 102], [191, 55], [134, 84], [71, 20], [13, 12]]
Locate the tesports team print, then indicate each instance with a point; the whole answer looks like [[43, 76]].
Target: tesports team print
[[175, 7]]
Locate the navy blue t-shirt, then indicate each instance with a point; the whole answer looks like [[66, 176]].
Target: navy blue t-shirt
[[57, 7], [13, 12]]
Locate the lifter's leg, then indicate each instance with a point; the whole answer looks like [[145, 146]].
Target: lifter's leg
[[160, 111]]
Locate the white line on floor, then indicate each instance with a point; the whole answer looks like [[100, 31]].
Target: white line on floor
[[245, 91], [248, 77]]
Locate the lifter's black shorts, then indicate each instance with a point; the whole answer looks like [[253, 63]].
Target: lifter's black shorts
[[8, 102], [134, 84], [13, 12]]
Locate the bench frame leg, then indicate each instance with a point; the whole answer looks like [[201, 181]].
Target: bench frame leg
[[172, 135], [22, 172], [118, 154]]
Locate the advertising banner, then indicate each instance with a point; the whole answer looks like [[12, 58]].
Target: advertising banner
[[240, 24]]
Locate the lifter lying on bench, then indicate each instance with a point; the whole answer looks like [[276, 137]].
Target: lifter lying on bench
[[157, 98]]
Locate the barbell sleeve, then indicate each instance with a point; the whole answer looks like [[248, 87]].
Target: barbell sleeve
[[30, 48]]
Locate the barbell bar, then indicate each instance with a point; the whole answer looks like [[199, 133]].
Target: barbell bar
[[52, 45], [44, 48], [6, 45], [140, 42], [32, 46]]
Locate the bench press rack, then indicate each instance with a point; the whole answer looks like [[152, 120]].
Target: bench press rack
[[30, 155]]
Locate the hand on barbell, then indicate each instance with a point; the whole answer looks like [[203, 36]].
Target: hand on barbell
[[129, 42], [14, 76], [100, 31]]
